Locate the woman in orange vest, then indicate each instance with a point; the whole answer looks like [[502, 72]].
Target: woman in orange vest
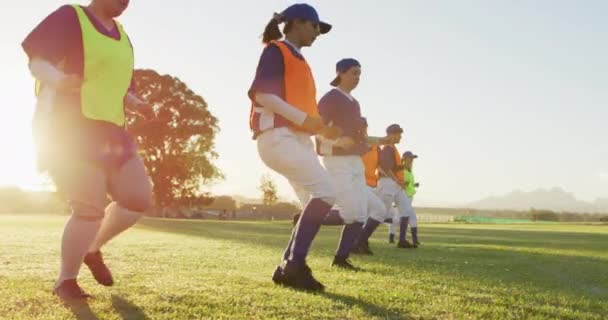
[[82, 61], [390, 188], [283, 117]]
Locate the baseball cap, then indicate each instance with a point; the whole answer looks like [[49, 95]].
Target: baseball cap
[[394, 128], [409, 154], [305, 12], [343, 66]]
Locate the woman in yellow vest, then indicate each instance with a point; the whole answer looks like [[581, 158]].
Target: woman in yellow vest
[[283, 117], [410, 186], [82, 61]]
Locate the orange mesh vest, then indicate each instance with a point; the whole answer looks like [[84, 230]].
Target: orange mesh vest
[[370, 161], [300, 92]]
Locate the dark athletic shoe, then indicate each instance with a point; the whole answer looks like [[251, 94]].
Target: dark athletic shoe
[[98, 268]]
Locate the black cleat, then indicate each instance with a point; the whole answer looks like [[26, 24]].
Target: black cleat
[[343, 263], [278, 277], [362, 248], [405, 245], [98, 268], [299, 276]]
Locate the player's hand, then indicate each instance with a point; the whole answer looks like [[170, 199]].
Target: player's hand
[[345, 142], [331, 133], [312, 124], [71, 82]]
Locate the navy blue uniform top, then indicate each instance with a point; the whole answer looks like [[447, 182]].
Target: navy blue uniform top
[[345, 113], [387, 160]]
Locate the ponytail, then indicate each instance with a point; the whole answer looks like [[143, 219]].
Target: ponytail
[[272, 32]]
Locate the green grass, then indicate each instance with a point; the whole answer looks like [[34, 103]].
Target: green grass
[[170, 269]]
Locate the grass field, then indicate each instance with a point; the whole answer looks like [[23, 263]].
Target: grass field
[[170, 269]]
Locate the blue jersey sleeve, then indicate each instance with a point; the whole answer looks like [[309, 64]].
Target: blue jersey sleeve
[[54, 37], [270, 74], [326, 108]]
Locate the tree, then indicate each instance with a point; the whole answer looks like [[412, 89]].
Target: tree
[[269, 191], [178, 146]]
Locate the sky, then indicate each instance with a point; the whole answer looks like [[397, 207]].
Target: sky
[[493, 95]]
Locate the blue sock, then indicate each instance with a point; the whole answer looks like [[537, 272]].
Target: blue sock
[[288, 249], [403, 228], [415, 234], [368, 230], [333, 218], [307, 228], [350, 233]]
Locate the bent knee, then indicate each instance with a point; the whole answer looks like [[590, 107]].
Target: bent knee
[[137, 200], [88, 212]]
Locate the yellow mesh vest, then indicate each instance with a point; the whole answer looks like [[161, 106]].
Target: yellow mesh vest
[[108, 68]]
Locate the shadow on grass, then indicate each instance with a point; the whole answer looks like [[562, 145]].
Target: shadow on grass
[[80, 309], [127, 310], [370, 309]]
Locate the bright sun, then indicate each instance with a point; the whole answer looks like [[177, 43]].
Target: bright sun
[[18, 165]]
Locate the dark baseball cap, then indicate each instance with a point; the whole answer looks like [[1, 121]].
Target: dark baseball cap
[[343, 66], [394, 128], [305, 12], [409, 154]]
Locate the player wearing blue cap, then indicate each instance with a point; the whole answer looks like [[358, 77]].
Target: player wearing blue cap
[[410, 186], [390, 188], [342, 157], [284, 115]]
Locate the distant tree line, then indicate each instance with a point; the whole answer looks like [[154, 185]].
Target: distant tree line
[[15, 200], [532, 214]]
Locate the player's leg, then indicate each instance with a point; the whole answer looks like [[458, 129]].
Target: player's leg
[[403, 205], [377, 216], [414, 225], [131, 191], [84, 187], [332, 218], [393, 224], [293, 156], [348, 176]]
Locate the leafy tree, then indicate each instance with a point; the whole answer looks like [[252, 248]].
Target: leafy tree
[[269, 191], [177, 146]]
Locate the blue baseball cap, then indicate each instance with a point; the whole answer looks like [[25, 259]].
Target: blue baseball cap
[[343, 66], [394, 128], [305, 12], [409, 154]]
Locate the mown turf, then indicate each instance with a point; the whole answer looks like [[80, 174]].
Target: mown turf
[[171, 269]]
